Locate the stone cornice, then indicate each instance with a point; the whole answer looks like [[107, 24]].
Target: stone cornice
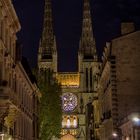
[[9, 12]]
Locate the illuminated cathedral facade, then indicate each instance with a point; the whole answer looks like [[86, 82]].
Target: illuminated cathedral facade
[[78, 88]]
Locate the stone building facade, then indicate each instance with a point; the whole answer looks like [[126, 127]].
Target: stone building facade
[[78, 87], [18, 92], [127, 52], [118, 88]]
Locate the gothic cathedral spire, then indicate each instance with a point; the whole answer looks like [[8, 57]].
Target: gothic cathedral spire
[[87, 56], [47, 36], [87, 41], [47, 48]]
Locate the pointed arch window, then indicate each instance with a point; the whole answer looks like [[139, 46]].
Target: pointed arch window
[[87, 78], [91, 79]]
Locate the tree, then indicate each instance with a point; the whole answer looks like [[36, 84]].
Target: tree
[[50, 112]]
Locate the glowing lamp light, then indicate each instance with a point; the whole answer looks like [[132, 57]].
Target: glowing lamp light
[[1, 134], [127, 138], [114, 134], [136, 119], [68, 123], [63, 124], [75, 123]]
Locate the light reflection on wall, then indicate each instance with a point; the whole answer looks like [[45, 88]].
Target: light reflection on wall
[[69, 121], [69, 79], [127, 138]]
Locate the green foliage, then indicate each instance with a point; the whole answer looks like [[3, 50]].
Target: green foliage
[[50, 115]]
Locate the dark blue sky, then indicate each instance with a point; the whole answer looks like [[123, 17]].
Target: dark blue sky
[[67, 15]]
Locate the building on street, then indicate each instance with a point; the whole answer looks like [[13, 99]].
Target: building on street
[[118, 88], [18, 90]]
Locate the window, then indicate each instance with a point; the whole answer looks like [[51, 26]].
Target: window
[[69, 121], [87, 78], [69, 102], [91, 78]]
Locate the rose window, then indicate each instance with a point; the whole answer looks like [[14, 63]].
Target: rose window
[[69, 102]]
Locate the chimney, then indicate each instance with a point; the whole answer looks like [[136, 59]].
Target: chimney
[[127, 27]]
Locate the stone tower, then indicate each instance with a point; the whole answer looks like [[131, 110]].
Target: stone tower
[[87, 56], [88, 68], [81, 85], [47, 55]]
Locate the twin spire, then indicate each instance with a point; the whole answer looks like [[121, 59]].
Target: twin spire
[[48, 43], [87, 41]]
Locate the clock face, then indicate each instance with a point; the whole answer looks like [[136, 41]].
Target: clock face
[[69, 102]]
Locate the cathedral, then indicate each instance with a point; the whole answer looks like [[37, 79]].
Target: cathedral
[[78, 88]]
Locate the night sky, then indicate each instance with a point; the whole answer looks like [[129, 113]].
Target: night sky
[[67, 16]]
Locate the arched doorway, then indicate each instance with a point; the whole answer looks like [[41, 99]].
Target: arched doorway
[[68, 137]]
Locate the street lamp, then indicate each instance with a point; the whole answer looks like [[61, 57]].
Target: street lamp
[[135, 118], [114, 136], [2, 135]]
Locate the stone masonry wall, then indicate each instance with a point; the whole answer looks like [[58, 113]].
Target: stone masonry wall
[[127, 52]]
